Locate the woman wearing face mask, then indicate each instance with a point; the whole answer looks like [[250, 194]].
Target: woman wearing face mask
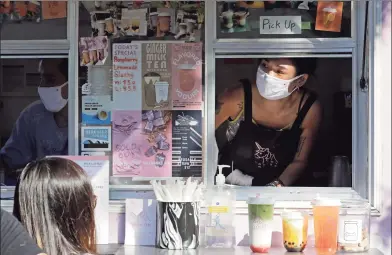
[[272, 124], [42, 127]]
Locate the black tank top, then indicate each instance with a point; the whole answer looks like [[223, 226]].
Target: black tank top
[[259, 151]]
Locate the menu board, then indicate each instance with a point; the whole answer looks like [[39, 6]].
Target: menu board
[[142, 143], [127, 76], [187, 144], [156, 70], [186, 76]]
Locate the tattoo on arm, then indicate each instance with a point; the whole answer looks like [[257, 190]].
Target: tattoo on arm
[[240, 105], [300, 145]]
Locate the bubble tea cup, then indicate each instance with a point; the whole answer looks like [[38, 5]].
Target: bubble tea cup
[[295, 230], [326, 220], [261, 214]]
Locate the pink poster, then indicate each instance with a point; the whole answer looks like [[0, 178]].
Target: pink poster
[[142, 143], [187, 76]]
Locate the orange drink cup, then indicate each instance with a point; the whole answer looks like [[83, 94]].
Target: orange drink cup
[[326, 220]]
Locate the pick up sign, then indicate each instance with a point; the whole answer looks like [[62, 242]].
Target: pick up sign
[[280, 25]]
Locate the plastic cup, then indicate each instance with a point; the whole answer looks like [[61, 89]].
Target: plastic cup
[[326, 220], [328, 15], [295, 230], [260, 213], [161, 91]]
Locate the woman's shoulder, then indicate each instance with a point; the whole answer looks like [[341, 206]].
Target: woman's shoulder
[[233, 94]]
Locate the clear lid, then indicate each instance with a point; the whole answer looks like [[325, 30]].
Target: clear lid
[[293, 215], [325, 201], [355, 204], [261, 201]]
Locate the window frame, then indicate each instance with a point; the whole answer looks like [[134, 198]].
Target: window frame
[[365, 160]]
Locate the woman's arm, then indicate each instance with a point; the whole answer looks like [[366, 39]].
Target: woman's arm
[[228, 104], [310, 128]]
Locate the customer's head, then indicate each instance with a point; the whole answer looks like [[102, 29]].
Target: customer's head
[[289, 68], [53, 89], [57, 206]]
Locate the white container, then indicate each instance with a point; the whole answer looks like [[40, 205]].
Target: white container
[[354, 226], [220, 203]]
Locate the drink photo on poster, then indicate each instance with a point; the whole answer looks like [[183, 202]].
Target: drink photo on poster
[[187, 76], [187, 144], [142, 143], [156, 71]]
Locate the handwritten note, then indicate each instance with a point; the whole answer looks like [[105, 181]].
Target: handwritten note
[[271, 25], [54, 9], [127, 93]]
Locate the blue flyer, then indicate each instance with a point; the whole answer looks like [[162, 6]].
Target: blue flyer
[[96, 110]]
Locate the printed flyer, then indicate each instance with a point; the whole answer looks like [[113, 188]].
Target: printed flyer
[[96, 138], [93, 50], [127, 76], [187, 144], [156, 70], [329, 16], [187, 76], [97, 168], [96, 110], [142, 143], [54, 9]]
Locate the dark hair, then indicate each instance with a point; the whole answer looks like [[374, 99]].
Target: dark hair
[[62, 65], [56, 204], [302, 65]]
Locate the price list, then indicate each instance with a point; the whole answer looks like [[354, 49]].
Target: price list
[[127, 89]]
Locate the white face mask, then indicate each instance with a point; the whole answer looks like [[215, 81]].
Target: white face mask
[[273, 88], [51, 98]]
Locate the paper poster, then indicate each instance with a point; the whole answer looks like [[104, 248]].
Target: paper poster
[[278, 25], [54, 9], [234, 19], [134, 22], [97, 168], [140, 223], [142, 143], [156, 70], [96, 138], [96, 110], [127, 94], [93, 50], [165, 22], [187, 144], [186, 64], [329, 16]]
